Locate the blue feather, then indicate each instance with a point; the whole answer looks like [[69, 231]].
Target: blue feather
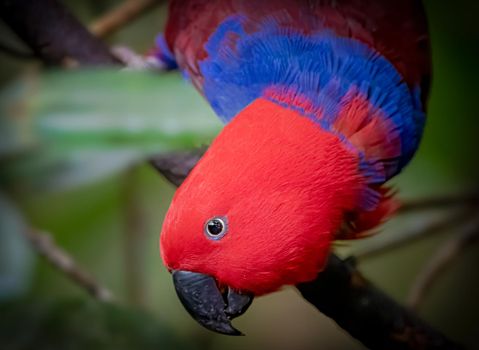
[[320, 66]]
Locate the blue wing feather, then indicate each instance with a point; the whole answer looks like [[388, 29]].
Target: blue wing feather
[[320, 66]]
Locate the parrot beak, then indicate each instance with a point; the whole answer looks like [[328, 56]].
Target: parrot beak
[[201, 297]]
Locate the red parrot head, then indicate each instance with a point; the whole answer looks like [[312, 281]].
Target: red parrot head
[[257, 212]]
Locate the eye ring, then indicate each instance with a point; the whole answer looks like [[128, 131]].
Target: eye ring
[[216, 227]]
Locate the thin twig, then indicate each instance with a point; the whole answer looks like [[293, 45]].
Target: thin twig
[[444, 257], [15, 52], [134, 239], [120, 16], [422, 229], [44, 244], [470, 198]]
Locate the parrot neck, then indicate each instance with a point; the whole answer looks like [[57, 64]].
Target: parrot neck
[[328, 161], [362, 129]]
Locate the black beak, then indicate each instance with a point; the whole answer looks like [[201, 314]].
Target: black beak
[[201, 297]]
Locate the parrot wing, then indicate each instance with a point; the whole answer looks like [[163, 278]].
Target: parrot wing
[[397, 29]]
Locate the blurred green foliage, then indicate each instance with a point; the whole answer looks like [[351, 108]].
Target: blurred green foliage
[[63, 129], [16, 257], [71, 151], [62, 325]]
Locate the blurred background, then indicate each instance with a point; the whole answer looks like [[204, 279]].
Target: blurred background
[[72, 151]]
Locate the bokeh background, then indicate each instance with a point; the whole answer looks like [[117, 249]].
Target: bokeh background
[[72, 150]]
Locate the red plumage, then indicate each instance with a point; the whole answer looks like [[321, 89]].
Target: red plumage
[[282, 218]]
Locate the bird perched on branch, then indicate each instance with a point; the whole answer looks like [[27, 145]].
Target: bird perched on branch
[[323, 102]]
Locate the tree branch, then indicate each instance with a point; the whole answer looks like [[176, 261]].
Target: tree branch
[[175, 166], [44, 244], [342, 293], [445, 256], [53, 34], [422, 229], [120, 16], [470, 198]]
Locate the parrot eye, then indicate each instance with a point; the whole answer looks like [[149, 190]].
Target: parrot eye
[[216, 228]]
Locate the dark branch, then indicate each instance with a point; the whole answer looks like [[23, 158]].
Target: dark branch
[[53, 34], [445, 256], [470, 198], [369, 315], [423, 229], [175, 166]]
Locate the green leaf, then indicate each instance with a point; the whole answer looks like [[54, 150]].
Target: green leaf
[[63, 129], [83, 324]]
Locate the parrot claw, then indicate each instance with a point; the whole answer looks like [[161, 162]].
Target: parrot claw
[[201, 297]]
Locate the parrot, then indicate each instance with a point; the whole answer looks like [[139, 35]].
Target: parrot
[[323, 101]]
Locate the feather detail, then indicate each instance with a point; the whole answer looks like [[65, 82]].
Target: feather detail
[[360, 224], [162, 54], [332, 58], [339, 83], [396, 28]]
